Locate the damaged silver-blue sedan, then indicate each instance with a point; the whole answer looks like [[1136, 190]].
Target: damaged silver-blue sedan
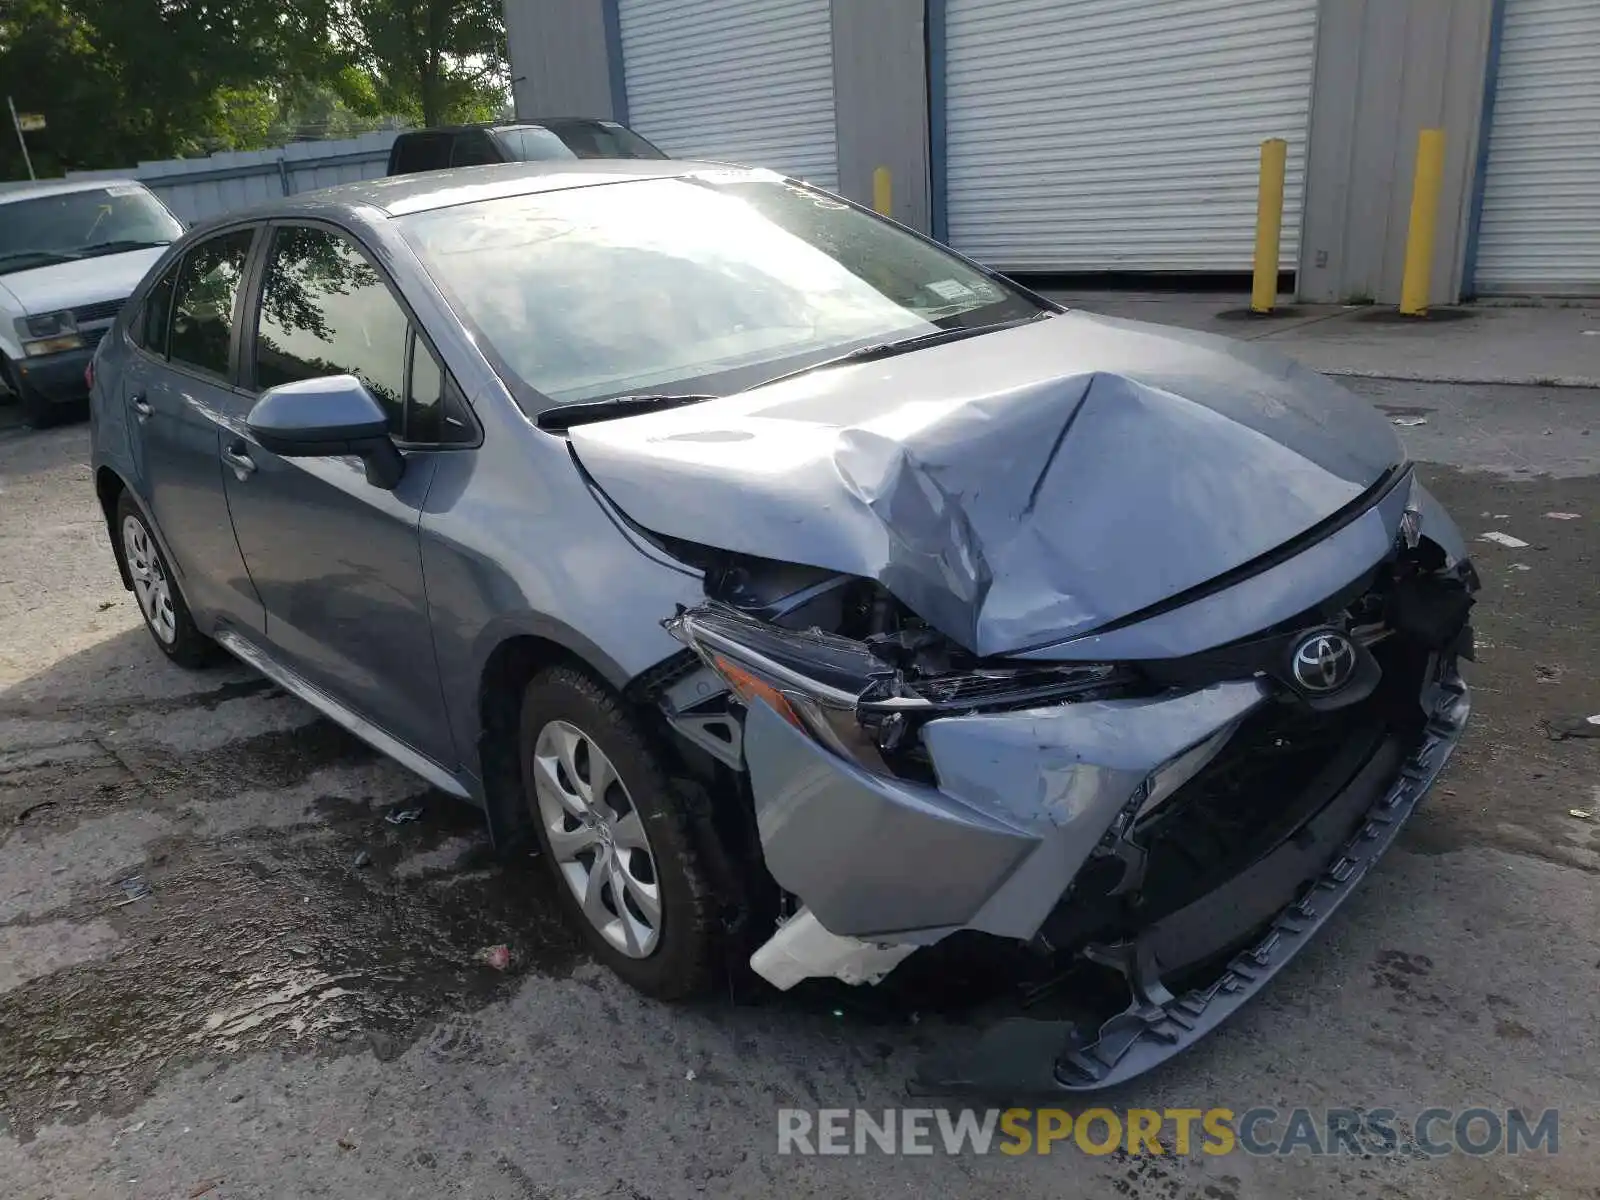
[[811, 594]]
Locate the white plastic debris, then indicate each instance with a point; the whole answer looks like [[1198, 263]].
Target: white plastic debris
[[1563, 516], [689, 1075], [1521, 567], [1503, 539], [1408, 422], [1582, 814]]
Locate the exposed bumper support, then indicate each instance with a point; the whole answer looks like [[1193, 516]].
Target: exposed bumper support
[[1028, 1057]]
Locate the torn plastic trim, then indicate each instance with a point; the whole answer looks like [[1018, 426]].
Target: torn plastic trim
[[803, 949], [1031, 1057], [864, 700]]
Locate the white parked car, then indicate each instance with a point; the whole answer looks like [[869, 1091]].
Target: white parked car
[[70, 252]]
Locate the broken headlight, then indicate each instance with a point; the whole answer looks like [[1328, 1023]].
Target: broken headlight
[[864, 700]]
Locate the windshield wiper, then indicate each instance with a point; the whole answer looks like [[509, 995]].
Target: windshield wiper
[[46, 257], [120, 246], [565, 416], [879, 350]]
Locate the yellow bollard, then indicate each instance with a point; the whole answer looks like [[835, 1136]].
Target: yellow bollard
[[1269, 224], [1415, 284], [882, 192]]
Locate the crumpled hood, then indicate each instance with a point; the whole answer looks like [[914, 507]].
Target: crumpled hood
[[1016, 488], [75, 284]]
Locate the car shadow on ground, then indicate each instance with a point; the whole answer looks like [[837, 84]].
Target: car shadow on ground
[[237, 873]]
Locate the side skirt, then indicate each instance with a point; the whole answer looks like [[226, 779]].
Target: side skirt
[[253, 656]]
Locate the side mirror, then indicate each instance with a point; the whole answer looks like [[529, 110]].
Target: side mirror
[[325, 418]]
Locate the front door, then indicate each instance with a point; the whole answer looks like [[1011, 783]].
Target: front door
[[175, 391], [337, 561]]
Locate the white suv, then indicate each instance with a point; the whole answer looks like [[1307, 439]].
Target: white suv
[[70, 253]]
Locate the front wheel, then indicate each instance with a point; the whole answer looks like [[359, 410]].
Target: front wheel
[[618, 842], [37, 411], [161, 603]]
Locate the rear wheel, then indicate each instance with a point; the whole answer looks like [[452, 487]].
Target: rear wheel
[[617, 840], [161, 602]]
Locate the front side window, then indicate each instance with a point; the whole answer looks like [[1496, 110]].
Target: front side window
[[204, 302], [68, 226], [326, 311], [704, 284]]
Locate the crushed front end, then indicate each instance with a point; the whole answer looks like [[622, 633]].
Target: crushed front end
[[1178, 824]]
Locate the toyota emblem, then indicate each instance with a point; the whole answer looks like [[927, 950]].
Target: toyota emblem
[[1324, 662]]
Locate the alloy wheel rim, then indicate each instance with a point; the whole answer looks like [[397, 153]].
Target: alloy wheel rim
[[151, 586], [598, 838]]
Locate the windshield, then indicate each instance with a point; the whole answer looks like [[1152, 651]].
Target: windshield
[[71, 225], [707, 284], [574, 139]]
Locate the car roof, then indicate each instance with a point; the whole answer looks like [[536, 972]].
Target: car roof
[[399, 195], [58, 187], [509, 123]]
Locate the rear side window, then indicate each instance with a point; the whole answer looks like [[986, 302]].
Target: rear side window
[[150, 330], [421, 152], [205, 306], [326, 311], [473, 149]]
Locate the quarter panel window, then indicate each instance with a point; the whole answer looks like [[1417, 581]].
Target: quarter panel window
[[150, 331], [473, 149], [206, 301], [326, 311]]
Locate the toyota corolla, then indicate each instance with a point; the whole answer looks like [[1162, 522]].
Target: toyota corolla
[[810, 593]]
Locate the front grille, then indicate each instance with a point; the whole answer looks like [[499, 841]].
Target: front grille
[[102, 311]]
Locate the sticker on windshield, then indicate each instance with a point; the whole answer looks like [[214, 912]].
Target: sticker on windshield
[[950, 289], [731, 175]]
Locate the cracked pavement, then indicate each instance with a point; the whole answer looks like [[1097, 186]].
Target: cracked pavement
[[200, 988]]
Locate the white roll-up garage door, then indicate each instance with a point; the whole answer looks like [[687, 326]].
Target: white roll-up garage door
[[746, 81], [1540, 228], [1102, 135]]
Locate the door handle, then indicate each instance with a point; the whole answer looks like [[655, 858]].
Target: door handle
[[141, 406], [237, 457]]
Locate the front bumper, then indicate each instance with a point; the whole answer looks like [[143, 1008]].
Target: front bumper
[[1319, 867], [57, 377], [1023, 801]]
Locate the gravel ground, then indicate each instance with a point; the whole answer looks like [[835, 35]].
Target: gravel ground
[[273, 1020]]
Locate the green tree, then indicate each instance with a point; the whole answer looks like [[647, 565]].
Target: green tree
[[124, 80], [435, 60]]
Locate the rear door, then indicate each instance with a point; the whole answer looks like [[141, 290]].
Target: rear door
[[176, 390], [337, 561]]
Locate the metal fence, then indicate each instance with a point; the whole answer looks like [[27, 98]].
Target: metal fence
[[197, 188]]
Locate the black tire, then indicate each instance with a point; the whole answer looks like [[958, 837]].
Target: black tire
[[186, 645], [683, 961], [37, 411]]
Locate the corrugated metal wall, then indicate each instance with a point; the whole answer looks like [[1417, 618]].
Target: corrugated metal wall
[[559, 61], [1540, 229], [1107, 136], [880, 78], [198, 188], [747, 81], [1387, 69]]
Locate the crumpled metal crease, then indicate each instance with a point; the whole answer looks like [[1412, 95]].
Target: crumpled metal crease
[[1012, 489]]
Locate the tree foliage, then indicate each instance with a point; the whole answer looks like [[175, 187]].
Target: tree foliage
[[119, 81], [436, 60]]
